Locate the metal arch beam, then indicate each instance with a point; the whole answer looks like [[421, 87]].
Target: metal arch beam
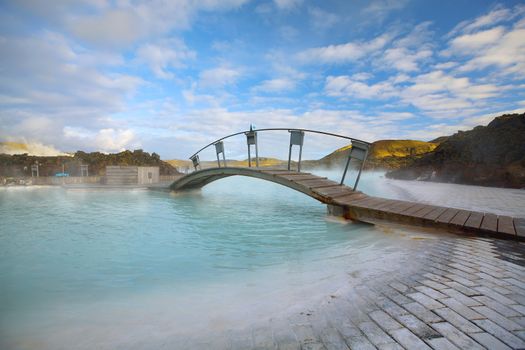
[[279, 129], [201, 178]]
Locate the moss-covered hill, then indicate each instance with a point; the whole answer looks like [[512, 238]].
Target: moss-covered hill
[[20, 164], [263, 162], [492, 155], [383, 154]]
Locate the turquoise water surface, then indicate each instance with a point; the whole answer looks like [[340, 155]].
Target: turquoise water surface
[[96, 268]]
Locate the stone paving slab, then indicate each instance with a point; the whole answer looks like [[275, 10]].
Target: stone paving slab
[[455, 293]]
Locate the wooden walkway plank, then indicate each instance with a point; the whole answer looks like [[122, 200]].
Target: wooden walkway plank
[[506, 225], [490, 223], [316, 183], [349, 198], [394, 206], [345, 194], [460, 218], [387, 205], [401, 207], [283, 172], [421, 213], [410, 211], [434, 214], [293, 177], [366, 203], [474, 220], [333, 191], [378, 204], [447, 215]]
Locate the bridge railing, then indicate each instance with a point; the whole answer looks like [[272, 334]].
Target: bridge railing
[[359, 149]]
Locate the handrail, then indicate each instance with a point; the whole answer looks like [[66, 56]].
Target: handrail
[[278, 129], [359, 148]]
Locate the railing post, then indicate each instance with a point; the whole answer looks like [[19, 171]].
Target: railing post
[[249, 158], [358, 151], [196, 161], [296, 138], [289, 156], [346, 169], [251, 139], [219, 148]]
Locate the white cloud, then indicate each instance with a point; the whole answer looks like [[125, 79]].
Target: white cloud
[[408, 52], [444, 96], [51, 73], [496, 16], [219, 77], [162, 56], [486, 45], [52, 83], [321, 19], [344, 53], [445, 65], [345, 86], [442, 129], [404, 60], [117, 27], [287, 4], [439, 81], [276, 85], [436, 93], [468, 42], [508, 54], [104, 140], [361, 76], [378, 10], [123, 23], [217, 122]]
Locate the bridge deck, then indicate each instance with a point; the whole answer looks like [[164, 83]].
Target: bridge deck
[[356, 205]]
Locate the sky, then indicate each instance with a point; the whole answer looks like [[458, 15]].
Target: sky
[[171, 76]]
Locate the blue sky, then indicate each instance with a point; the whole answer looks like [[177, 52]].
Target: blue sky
[[171, 76]]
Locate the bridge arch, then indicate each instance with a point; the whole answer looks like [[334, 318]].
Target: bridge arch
[[317, 187]]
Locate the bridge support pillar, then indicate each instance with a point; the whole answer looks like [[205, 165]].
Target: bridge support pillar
[[336, 210]]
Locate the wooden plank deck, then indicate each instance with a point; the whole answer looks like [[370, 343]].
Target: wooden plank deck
[[356, 205]]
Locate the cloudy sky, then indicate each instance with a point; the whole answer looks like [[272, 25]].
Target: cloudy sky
[[171, 76]]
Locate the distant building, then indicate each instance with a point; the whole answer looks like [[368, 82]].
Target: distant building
[[131, 175]]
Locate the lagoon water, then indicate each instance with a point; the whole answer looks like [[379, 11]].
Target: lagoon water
[[84, 269]]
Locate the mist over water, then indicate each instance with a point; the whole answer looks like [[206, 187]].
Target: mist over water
[[81, 269]]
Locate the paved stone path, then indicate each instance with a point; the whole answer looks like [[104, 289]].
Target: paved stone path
[[453, 293]]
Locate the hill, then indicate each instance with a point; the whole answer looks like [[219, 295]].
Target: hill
[[263, 162], [383, 154], [19, 165], [492, 155]]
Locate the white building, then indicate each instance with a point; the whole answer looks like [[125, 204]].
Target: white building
[[131, 175]]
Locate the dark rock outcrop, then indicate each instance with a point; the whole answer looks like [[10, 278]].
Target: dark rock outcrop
[[492, 155]]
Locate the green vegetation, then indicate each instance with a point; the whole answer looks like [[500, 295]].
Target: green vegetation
[[263, 162], [19, 165], [383, 154]]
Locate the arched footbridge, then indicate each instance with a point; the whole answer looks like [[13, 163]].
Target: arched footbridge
[[347, 201]]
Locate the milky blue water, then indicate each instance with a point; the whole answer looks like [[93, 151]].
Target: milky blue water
[[93, 268]]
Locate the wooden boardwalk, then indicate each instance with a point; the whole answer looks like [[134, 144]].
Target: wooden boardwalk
[[355, 205]]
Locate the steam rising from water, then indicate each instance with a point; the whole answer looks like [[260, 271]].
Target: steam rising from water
[[31, 148]]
